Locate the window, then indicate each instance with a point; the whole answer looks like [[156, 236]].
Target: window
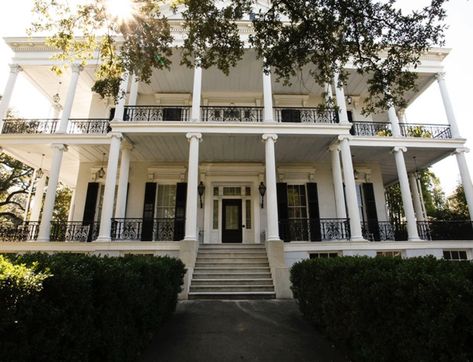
[[215, 191], [232, 191], [322, 255], [296, 202], [166, 204], [248, 191], [248, 213], [215, 215], [391, 253], [455, 255]]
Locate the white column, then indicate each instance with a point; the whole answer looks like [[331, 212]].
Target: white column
[[37, 202], [338, 182], [416, 197], [268, 115], [412, 232], [350, 191], [133, 98], [120, 207], [341, 103], [272, 232], [196, 93], [48, 207], [394, 122], [466, 178], [30, 192], [192, 184], [57, 111], [109, 192], [71, 92], [328, 93], [448, 105], [8, 92], [120, 106]]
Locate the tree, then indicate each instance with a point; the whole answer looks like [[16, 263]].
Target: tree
[[457, 204], [62, 203], [376, 37]]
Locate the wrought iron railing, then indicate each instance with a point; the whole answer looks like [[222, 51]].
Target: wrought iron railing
[[438, 131], [378, 231], [88, 126], [29, 126], [232, 114], [23, 232], [156, 113], [445, 230], [306, 115], [371, 129], [161, 229], [304, 229], [69, 231]]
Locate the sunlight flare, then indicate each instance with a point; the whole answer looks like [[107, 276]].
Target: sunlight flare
[[121, 10]]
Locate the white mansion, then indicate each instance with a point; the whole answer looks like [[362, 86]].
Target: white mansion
[[196, 159]]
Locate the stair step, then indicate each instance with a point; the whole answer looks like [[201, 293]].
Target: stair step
[[231, 260], [232, 282], [232, 246], [232, 295], [239, 253], [249, 275], [231, 288], [226, 269]]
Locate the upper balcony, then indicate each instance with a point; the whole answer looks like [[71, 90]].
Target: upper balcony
[[383, 129]]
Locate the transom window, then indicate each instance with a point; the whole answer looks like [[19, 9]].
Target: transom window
[[232, 191], [296, 202], [455, 255], [166, 202]]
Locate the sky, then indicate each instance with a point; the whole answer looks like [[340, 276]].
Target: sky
[[15, 16]]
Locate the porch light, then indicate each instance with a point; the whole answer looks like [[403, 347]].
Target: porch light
[[40, 172], [101, 172], [262, 192], [201, 190]]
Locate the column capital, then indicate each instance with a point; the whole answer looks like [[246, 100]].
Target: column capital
[[127, 147], [440, 76], [267, 136], [15, 68], [399, 149], [461, 150], [59, 146], [334, 147], [116, 135], [196, 135], [77, 68], [342, 138]]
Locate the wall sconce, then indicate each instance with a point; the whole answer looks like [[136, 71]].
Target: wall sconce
[[201, 190], [356, 174], [349, 100], [262, 192], [101, 172]]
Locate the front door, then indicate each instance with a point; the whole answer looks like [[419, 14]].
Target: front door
[[231, 221]]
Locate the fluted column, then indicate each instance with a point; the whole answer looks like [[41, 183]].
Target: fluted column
[[448, 105], [196, 93], [109, 192], [271, 188], [412, 232], [120, 106], [394, 121], [192, 184], [8, 92], [341, 103], [268, 115], [71, 92], [133, 98], [350, 190], [338, 182], [48, 207], [37, 202], [120, 207], [416, 197], [466, 178]]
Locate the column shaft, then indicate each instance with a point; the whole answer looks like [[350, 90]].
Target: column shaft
[[412, 232], [120, 106], [466, 180], [37, 202], [71, 92], [192, 184], [109, 192], [120, 207], [394, 122], [268, 115], [341, 103], [196, 93], [8, 92], [350, 191], [30, 192], [48, 207], [448, 105], [271, 188], [338, 184], [416, 197], [133, 98]]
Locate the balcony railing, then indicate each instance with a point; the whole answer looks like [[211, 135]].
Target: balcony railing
[[49, 126], [60, 231], [305, 115], [303, 229], [161, 229], [445, 230], [381, 231], [232, 114], [437, 131], [371, 129], [156, 113], [23, 232]]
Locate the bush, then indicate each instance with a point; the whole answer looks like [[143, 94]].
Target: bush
[[390, 309], [91, 308]]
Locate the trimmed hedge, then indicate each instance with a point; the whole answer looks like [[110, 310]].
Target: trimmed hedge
[[390, 309], [90, 308]]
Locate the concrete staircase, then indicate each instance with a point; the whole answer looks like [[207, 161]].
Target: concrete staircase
[[232, 271]]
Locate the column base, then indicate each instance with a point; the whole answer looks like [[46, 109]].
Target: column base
[[103, 239], [39, 240], [414, 239], [358, 239]]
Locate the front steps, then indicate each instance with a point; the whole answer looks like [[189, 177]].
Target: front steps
[[232, 271]]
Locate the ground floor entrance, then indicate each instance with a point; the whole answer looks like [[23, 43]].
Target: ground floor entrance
[[232, 221]]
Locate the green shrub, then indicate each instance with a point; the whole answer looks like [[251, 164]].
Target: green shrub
[[390, 309], [92, 308]]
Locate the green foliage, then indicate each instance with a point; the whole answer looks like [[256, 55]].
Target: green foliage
[[62, 203], [390, 309], [457, 204], [380, 40], [91, 308]]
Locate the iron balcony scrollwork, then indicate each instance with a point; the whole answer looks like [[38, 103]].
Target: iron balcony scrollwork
[[306, 115], [156, 113], [371, 129], [163, 229], [306, 229], [435, 131], [232, 114]]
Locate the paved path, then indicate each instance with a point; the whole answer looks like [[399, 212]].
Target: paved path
[[222, 331]]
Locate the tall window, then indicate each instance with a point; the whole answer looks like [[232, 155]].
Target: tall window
[[296, 202], [166, 204]]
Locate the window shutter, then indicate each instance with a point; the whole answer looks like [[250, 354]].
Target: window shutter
[[180, 211], [314, 213], [370, 207], [148, 211], [281, 192], [90, 207]]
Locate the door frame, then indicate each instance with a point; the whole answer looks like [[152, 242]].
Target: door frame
[[236, 202]]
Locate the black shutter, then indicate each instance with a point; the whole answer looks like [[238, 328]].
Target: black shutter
[[350, 116], [111, 115], [370, 207], [180, 211], [281, 194], [314, 214], [291, 115], [90, 207], [148, 212], [172, 114]]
